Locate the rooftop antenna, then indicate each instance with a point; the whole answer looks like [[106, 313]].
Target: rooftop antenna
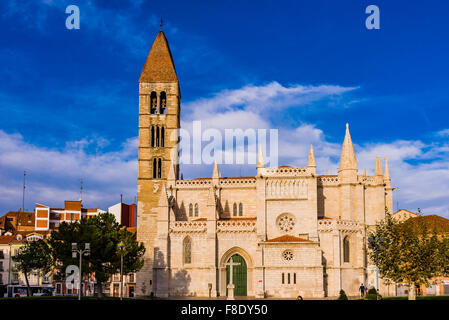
[[397, 199], [81, 191], [162, 23], [23, 192], [121, 198]]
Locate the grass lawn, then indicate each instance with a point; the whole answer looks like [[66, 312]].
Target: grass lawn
[[420, 298], [64, 298]]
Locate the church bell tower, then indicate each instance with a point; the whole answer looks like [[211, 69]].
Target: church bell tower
[[159, 121]]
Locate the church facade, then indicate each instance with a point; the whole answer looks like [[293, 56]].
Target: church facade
[[288, 231]]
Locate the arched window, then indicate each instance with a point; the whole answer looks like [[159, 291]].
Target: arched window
[[162, 137], [283, 278], [157, 136], [196, 209], [190, 210], [154, 168], [152, 136], [288, 277], [346, 249], [159, 169], [240, 209], [235, 210], [163, 102], [187, 250], [153, 103]]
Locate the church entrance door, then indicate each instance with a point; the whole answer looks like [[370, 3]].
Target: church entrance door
[[239, 275]]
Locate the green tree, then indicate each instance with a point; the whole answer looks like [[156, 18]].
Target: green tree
[[104, 234], [33, 256], [407, 252]]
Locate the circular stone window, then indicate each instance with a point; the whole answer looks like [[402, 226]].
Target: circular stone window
[[287, 255], [286, 222]]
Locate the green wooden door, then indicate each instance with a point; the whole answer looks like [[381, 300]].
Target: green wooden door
[[238, 276]]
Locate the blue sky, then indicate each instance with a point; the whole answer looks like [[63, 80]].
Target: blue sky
[[68, 98]]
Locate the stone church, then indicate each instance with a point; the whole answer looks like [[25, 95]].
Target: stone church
[[289, 231]]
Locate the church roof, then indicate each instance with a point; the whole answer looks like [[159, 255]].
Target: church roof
[[287, 238], [159, 66]]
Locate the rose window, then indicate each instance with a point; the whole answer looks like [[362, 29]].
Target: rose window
[[287, 255], [286, 223]]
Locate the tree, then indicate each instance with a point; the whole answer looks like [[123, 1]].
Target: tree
[[34, 255], [408, 252], [104, 234]]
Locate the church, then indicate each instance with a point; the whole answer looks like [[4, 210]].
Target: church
[[286, 231]]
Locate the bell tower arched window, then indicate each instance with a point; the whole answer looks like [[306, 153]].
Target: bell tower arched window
[[163, 102], [159, 168], [240, 209], [346, 249], [154, 168], [234, 211], [162, 137], [153, 103], [157, 136], [187, 250], [190, 210], [152, 136], [196, 210]]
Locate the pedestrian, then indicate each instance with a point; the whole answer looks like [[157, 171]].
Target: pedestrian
[[362, 290]]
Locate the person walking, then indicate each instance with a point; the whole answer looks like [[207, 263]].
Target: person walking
[[362, 290]]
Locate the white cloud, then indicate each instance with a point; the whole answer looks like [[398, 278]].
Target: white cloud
[[54, 175], [443, 133], [420, 170]]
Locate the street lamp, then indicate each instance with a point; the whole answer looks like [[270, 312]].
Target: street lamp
[[122, 247], [372, 245], [81, 252]]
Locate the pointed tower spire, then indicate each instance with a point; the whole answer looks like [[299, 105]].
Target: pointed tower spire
[[348, 160], [379, 171], [260, 162], [163, 199], [159, 66], [215, 173], [171, 172], [387, 178], [311, 162], [387, 170]]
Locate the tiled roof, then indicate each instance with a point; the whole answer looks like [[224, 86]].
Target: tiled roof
[[159, 66], [238, 219], [287, 238], [6, 239]]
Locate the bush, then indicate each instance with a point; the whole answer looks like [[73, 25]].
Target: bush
[[372, 291], [342, 295], [372, 295]]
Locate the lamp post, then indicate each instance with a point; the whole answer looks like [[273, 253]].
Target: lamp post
[[122, 247], [81, 252], [372, 244]]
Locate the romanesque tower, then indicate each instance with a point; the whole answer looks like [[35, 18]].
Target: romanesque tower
[[159, 121]]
